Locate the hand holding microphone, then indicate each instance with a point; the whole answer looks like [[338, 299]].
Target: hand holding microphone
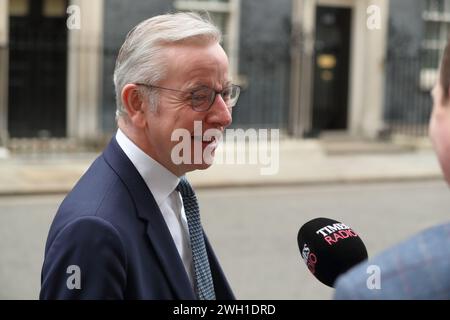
[[329, 248]]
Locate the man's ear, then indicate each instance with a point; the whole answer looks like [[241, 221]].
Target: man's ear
[[135, 103]]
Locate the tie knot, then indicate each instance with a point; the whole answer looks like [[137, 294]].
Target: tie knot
[[185, 188]]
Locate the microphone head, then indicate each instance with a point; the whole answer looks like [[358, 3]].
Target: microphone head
[[329, 248]]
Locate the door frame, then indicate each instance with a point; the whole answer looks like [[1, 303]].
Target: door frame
[[367, 56], [4, 61], [85, 65]]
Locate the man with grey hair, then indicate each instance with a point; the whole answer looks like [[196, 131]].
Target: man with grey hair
[[130, 228]]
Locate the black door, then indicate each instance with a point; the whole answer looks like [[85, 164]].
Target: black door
[[332, 48], [37, 68]]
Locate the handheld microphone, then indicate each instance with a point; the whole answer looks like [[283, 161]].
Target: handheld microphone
[[329, 248]]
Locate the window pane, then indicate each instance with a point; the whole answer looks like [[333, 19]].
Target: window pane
[[221, 20], [430, 59], [447, 29], [54, 8], [217, 10], [432, 30], [18, 7], [435, 5]]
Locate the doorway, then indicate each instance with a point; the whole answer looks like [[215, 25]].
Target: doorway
[[331, 69], [37, 68]]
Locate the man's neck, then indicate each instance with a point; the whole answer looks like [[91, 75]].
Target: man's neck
[[137, 139]]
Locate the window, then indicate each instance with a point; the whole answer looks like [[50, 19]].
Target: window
[[437, 30], [225, 14], [19, 8], [54, 8]]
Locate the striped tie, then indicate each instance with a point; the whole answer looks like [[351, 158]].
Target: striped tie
[[203, 278]]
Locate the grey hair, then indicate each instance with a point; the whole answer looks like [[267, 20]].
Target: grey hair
[[141, 57]]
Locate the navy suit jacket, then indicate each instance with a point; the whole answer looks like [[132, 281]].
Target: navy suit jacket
[[418, 268], [110, 227]]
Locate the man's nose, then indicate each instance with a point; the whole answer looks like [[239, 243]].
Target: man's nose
[[220, 113]]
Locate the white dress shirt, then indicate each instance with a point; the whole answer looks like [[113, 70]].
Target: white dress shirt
[[162, 183]]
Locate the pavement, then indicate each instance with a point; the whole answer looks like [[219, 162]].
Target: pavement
[[326, 160]]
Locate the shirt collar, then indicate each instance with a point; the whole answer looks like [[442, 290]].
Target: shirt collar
[[158, 179]]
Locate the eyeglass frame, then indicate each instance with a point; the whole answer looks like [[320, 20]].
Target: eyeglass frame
[[192, 94]]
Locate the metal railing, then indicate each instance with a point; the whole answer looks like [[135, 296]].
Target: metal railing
[[408, 102]]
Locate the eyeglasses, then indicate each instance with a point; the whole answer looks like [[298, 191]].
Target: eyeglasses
[[203, 98]]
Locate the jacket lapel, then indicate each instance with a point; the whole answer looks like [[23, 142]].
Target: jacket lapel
[[148, 210], [221, 287]]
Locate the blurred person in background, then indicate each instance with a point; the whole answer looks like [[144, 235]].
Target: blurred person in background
[[418, 268]]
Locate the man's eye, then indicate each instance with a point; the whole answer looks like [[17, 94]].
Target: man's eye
[[226, 93], [199, 97]]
